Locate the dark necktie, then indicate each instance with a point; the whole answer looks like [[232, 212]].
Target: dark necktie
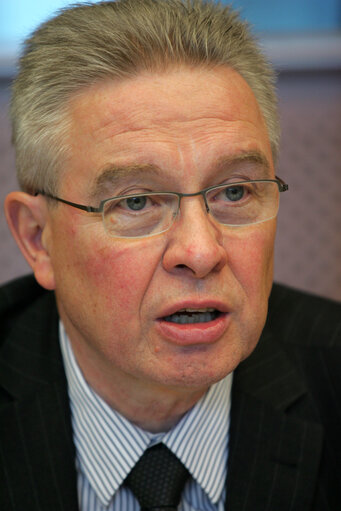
[[157, 480]]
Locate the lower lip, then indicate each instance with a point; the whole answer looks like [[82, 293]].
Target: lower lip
[[194, 333]]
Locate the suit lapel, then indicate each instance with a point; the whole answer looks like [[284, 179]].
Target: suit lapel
[[274, 454], [37, 448]]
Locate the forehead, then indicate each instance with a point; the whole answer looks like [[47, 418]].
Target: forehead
[[182, 118], [180, 94]]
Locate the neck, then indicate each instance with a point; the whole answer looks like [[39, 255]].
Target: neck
[[149, 405], [155, 411]]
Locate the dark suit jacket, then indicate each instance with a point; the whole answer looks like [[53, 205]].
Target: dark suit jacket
[[285, 443]]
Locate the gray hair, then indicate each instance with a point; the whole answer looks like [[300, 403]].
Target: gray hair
[[90, 42]]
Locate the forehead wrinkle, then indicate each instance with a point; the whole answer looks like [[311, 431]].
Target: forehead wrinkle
[[164, 124]]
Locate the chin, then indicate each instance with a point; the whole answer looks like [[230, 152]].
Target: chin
[[193, 376]]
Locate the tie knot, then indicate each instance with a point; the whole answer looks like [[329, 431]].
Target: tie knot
[[157, 480]]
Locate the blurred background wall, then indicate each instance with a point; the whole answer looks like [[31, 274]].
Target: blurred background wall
[[303, 40]]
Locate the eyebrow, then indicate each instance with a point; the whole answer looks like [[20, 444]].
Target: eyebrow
[[113, 174], [256, 158]]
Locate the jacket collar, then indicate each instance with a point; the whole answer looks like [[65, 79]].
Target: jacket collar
[[35, 428], [272, 450]]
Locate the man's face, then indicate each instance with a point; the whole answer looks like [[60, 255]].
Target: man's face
[[182, 130]]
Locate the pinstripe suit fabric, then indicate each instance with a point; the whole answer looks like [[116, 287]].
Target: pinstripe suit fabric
[[285, 436]]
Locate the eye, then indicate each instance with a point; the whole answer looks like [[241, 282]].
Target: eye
[[234, 193], [135, 203], [238, 194]]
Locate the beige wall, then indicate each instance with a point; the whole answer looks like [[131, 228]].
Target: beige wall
[[308, 247], [11, 261], [308, 251]]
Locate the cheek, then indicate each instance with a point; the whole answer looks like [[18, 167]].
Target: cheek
[[251, 255], [121, 274]]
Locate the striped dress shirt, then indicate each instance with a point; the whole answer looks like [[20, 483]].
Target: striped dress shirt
[[108, 445]]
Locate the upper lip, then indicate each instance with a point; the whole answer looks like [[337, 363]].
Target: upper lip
[[194, 305]]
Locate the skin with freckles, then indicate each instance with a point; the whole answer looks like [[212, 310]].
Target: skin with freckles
[[176, 128]]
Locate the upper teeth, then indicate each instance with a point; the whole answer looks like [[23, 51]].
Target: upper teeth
[[207, 309]]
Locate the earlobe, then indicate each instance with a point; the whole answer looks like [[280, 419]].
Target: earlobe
[[27, 217]]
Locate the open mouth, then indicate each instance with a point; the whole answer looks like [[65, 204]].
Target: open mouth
[[190, 316]]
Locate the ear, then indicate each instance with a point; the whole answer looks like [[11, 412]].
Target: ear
[[28, 219]]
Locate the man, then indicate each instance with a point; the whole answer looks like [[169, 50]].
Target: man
[[146, 136]]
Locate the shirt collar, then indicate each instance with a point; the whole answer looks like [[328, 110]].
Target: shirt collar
[[200, 439], [108, 445]]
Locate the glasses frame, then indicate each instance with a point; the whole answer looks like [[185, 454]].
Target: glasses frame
[[282, 187]]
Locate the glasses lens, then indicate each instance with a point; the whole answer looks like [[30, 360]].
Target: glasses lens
[[135, 216], [244, 203]]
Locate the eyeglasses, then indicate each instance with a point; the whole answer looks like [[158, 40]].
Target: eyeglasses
[[147, 214]]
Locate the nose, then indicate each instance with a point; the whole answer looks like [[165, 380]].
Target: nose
[[195, 242]]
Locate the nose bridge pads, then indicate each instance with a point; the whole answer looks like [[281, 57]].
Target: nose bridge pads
[[177, 214], [206, 203], [203, 195]]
